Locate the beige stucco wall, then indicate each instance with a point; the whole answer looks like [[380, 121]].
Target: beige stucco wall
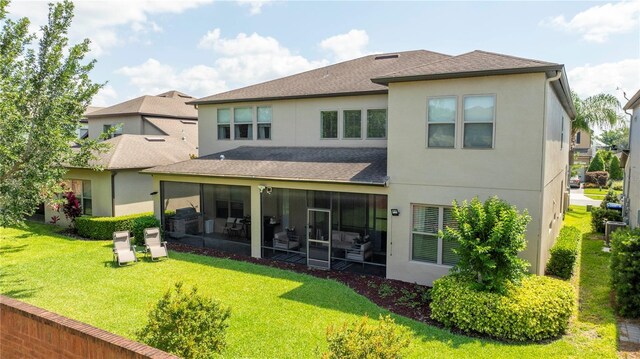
[[294, 123], [555, 179], [512, 170], [132, 125], [255, 194], [632, 170], [132, 192], [100, 193]]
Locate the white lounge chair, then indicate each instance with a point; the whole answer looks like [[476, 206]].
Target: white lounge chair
[[155, 247], [123, 251]]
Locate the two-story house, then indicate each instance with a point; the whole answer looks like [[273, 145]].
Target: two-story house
[[356, 165], [632, 166], [148, 131]]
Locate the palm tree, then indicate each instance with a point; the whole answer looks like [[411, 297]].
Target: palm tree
[[597, 110]]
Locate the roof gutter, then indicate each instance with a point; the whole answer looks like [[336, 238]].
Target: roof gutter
[[462, 74], [292, 97], [289, 179]]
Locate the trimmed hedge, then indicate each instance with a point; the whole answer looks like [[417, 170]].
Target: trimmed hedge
[[598, 177], [564, 253], [537, 309], [103, 227], [599, 216], [625, 271]]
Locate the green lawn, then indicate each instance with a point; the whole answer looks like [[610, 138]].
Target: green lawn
[[275, 313], [598, 194]]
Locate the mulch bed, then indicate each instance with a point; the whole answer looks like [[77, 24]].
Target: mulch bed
[[406, 299]]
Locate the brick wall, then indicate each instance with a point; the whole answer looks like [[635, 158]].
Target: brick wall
[[31, 332]]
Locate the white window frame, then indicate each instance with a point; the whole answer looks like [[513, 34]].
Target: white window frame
[[258, 123], [218, 124], [80, 194], [493, 123], [455, 123], [440, 239], [233, 123], [386, 122], [338, 117]]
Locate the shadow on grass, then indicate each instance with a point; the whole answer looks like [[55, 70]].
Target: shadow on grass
[[12, 249], [18, 289]]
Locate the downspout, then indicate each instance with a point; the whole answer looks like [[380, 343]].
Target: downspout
[[113, 193], [542, 163]]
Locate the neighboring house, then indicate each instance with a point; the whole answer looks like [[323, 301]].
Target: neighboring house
[[632, 165], [582, 151], [119, 189], [166, 114], [362, 160]]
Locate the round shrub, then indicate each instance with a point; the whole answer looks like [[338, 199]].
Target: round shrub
[[365, 339], [537, 309], [187, 324]]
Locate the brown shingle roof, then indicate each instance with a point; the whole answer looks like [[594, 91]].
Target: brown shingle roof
[[345, 78], [475, 63], [141, 151], [633, 102], [317, 164], [174, 127], [168, 104]]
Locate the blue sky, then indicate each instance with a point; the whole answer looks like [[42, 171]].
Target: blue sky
[[204, 47]]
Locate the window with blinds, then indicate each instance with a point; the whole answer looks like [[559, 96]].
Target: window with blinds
[[426, 245]]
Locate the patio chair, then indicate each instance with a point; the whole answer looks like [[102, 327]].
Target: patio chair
[[154, 246], [229, 226], [123, 251], [282, 240]]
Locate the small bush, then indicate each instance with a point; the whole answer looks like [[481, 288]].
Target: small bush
[[537, 309], [139, 225], [103, 227], [590, 185], [617, 185], [600, 215], [600, 178], [610, 197], [489, 236], [363, 339], [564, 253], [625, 271], [187, 324]]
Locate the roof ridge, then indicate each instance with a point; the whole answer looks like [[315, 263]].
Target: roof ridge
[[512, 57]]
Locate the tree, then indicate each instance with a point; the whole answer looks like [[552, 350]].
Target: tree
[[618, 137], [597, 110], [489, 238], [44, 91], [597, 163], [615, 172]]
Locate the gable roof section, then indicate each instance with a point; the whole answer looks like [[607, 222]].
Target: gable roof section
[[635, 100], [475, 63], [141, 151], [174, 127], [168, 104], [343, 79], [314, 164]]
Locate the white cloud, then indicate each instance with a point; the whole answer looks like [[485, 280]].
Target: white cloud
[[590, 80], [153, 77], [597, 23], [347, 46], [107, 96], [248, 59], [255, 6], [101, 21]]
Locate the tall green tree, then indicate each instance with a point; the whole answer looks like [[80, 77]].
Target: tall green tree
[[618, 137], [597, 163], [615, 172], [44, 91], [597, 110]]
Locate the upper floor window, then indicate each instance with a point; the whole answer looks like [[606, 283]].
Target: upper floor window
[[441, 122], [352, 124], [264, 122], [561, 132], [578, 137], [224, 124], [479, 117], [377, 123], [117, 130], [426, 244], [329, 124], [243, 123]]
